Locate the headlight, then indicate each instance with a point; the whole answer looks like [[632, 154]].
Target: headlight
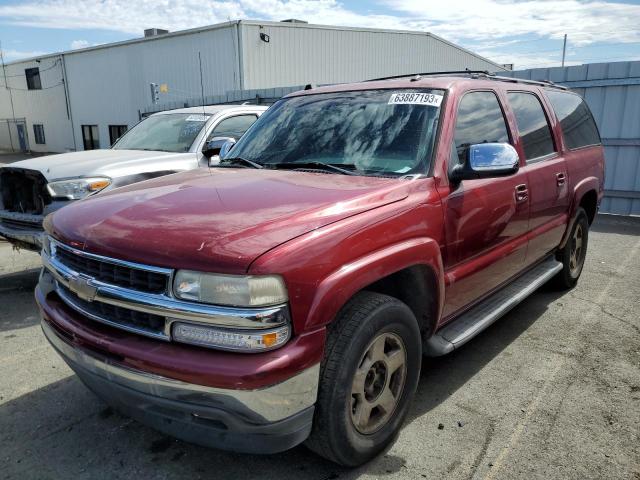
[[226, 339], [77, 188], [233, 290]]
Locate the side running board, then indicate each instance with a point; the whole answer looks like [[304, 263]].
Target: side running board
[[471, 323]]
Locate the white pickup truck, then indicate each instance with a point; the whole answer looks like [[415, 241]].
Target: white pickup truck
[[163, 143]]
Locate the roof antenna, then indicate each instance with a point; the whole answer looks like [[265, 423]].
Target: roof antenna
[[309, 86]]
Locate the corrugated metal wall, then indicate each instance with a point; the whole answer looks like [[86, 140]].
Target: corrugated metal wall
[[109, 86], [612, 91], [256, 96], [297, 54]]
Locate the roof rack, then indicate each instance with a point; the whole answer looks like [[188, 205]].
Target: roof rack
[[451, 72], [544, 83], [484, 74]]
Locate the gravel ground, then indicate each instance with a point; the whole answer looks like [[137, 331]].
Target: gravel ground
[[552, 390]]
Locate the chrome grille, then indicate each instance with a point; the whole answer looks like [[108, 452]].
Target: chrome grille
[[81, 283], [113, 273], [113, 315]]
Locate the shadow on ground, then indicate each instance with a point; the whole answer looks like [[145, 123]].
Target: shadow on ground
[[17, 306], [91, 440], [617, 225]]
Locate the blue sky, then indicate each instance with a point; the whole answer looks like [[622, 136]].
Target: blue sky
[[525, 32]]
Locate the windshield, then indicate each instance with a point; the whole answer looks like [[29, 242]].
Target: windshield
[[371, 132], [168, 132]]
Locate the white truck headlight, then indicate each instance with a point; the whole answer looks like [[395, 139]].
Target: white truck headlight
[[231, 290], [78, 187], [228, 339]]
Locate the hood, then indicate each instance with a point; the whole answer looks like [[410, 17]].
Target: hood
[[95, 162], [216, 219]]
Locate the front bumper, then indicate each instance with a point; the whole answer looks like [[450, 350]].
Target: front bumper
[[267, 420], [25, 229]]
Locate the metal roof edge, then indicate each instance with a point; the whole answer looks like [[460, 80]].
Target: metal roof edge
[[131, 41], [231, 23]]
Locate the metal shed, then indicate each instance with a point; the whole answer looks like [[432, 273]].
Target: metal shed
[[109, 85], [612, 91]]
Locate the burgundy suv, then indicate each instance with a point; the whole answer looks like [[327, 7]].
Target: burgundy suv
[[288, 294]]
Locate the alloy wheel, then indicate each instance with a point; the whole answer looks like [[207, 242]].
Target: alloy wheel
[[575, 256], [378, 383]]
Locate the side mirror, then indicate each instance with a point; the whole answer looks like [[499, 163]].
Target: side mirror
[[487, 160], [214, 146], [228, 145]]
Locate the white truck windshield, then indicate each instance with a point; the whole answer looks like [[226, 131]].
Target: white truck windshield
[[168, 132]]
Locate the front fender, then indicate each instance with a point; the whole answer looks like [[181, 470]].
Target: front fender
[[338, 287]]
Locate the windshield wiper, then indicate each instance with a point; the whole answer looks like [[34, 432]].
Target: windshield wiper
[[240, 160], [319, 165]]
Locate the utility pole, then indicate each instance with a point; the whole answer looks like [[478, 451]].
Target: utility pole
[[564, 48], [6, 85]]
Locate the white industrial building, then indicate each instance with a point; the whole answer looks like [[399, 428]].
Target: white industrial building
[[85, 98]]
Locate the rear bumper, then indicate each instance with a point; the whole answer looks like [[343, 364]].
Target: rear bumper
[[268, 420]]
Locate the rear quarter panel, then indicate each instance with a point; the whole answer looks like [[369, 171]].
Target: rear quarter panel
[[586, 172]]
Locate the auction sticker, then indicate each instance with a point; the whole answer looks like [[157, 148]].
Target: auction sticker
[[428, 99], [197, 118]]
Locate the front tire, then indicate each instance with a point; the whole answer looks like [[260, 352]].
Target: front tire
[[368, 378], [574, 253]]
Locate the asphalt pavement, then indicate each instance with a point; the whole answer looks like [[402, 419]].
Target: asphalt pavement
[[550, 391]]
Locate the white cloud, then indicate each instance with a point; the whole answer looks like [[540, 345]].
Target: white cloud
[[118, 15], [11, 54], [77, 44], [485, 26], [486, 20], [584, 21]]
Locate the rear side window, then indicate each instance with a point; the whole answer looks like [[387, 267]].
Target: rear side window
[[480, 120], [575, 118], [532, 125]]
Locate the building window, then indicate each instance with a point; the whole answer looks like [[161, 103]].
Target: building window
[[33, 78], [115, 132], [90, 137], [38, 132]]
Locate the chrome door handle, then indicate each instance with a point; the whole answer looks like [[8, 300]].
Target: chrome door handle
[[561, 179], [522, 193]]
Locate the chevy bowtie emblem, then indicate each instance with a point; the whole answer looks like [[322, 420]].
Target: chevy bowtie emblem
[[81, 286]]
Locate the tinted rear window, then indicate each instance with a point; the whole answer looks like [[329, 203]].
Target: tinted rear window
[[575, 118], [532, 125]]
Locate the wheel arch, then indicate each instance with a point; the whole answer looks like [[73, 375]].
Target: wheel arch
[[585, 195], [589, 202], [410, 271]]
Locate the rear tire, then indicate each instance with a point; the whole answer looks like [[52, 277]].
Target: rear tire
[[574, 253], [368, 378]]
